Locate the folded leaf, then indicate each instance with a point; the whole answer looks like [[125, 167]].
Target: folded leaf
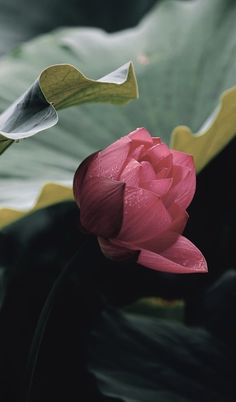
[[58, 87]]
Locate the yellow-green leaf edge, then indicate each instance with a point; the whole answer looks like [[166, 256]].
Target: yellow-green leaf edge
[[215, 134]]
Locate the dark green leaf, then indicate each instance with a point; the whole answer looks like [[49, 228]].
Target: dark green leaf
[[135, 358]]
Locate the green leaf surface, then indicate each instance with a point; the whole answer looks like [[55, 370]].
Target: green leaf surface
[[58, 87], [183, 53]]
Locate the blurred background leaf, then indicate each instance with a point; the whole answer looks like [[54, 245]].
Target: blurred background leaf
[[138, 358], [21, 20]]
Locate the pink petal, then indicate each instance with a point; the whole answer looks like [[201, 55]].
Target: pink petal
[[156, 153], [137, 151], [80, 175], [101, 206], [110, 161], [145, 216], [178, 173], [180, 217], [165, 239], [159, 187], [183, 191], [182, 159], [156, 140], [115, 251], [168, 237], [141, 135], [147, 172], [182, 257], [130, 174], [164, 167]]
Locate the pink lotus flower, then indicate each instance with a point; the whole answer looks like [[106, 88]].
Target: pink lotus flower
[[133, 196]]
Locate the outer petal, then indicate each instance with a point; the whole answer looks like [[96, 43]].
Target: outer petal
[[144, 218], [183, 159], [115, 251], [80, 175], [182, 257], [101, 206], [110, 161], [183, 191], [165, 239]]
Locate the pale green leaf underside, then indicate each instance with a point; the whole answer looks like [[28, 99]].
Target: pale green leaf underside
[[184, 57]]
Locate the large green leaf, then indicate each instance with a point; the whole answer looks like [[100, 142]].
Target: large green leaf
[[181, 68]]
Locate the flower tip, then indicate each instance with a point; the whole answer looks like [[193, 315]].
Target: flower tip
[[141, 134], [203, 268]]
